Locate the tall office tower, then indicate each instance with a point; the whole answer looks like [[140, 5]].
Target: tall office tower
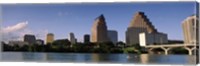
[[191, 30], [113, 36], [49, 38], [139, 24], [99, 30], [29, 38], [72, 38], [86, 38]]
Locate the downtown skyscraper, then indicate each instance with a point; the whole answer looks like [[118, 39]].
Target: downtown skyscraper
[[99, 30], [141, 24]]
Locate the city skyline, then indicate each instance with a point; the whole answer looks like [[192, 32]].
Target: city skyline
[[61, 19]]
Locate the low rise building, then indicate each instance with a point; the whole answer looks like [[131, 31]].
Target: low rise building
[[40, 42], [19, 43], [152, 38]]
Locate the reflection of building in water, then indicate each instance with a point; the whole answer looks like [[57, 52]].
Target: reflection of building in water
[[12, 56], [191, 59], [34, 56], [28, 56], [144, 58], [95, 57], [43, 57]]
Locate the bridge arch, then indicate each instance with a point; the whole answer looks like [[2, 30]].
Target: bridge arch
[[189, 47]]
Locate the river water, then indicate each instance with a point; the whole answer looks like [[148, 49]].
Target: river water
[[98, 58]]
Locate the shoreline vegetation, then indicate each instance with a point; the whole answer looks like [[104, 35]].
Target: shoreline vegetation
[[64, 46]]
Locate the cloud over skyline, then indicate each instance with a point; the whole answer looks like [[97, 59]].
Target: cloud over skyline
[[17, 32], [17, 27], [61, 19]]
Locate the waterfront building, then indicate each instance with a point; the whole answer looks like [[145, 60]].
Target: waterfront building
[[49, 38], [40, 42], [190, 28], [140, 24], [29, 38], [152, 38], [113, 36], [72, 38], [86, 38], [99, 30], [19, 43]]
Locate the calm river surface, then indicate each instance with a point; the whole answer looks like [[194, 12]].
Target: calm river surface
[[98, 58]]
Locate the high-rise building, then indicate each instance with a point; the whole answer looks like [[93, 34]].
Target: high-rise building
[[49, 38], [99, 30], [86, 38], [72, 38], [113, 36], [29, 38], [139, 24], [191, 30]]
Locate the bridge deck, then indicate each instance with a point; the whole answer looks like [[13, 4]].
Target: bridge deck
[[172, 45]]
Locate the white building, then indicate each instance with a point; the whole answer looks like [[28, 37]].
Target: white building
[[191, 30], [152, 38]]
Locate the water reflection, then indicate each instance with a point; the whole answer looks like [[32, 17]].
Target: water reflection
[[144, 58], [31, 56], [82, 57], [95, 57], [99, 58], [133, 58], [60, 57], [192, 59]]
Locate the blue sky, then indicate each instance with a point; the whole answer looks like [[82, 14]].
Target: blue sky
[[61, 19]]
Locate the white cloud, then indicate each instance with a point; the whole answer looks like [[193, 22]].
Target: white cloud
[[17, 32], [17, 27]]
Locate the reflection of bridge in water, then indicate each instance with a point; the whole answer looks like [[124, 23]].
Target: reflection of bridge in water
[[166, 47]]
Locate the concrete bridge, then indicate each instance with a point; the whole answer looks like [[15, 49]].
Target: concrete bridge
[[167, 47]]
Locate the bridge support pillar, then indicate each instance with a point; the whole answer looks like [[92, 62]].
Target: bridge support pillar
[[190, 49], [166, 49]]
